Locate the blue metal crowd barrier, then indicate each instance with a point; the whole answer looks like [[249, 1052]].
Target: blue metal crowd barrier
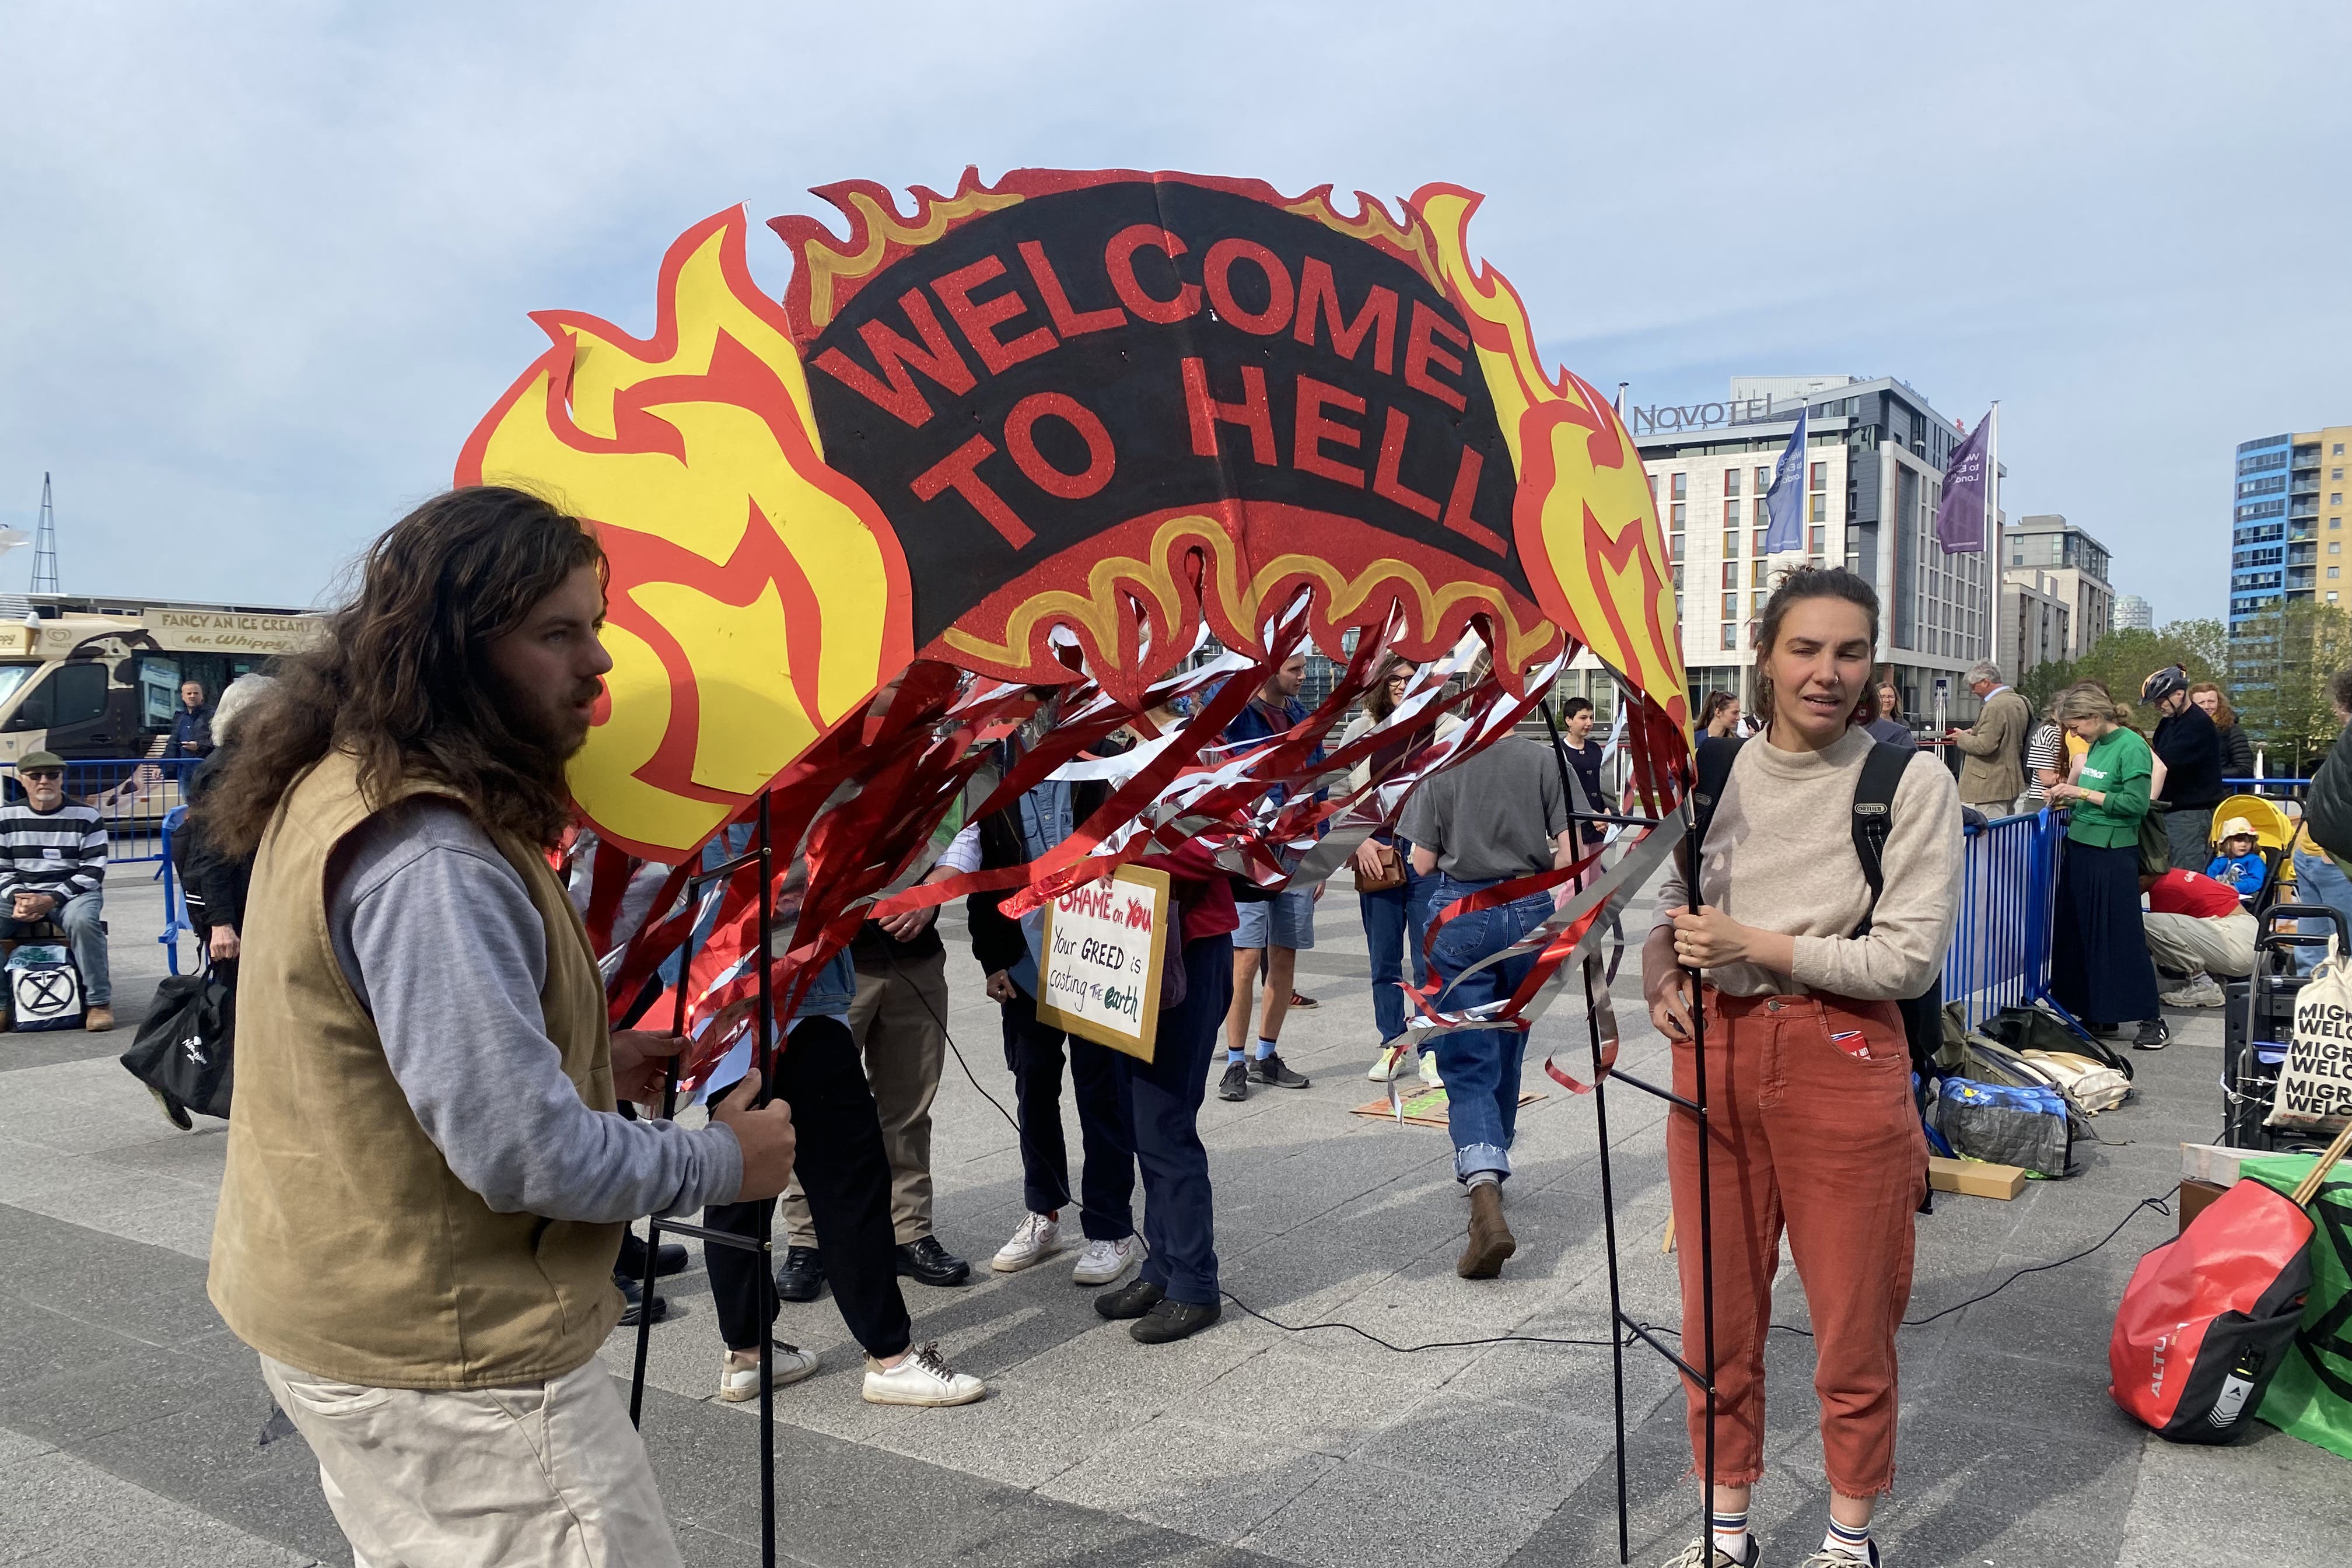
[[134, 795], [1999, 955]]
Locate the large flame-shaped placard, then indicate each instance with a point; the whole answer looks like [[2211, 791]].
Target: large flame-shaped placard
[[1048, 431]]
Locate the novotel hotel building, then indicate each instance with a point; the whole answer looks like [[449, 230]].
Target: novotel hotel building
[[1874, 474]]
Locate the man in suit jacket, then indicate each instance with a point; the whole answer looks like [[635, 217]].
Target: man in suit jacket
[[1992, 770]]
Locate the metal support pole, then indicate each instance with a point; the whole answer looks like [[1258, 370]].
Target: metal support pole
[[1608, 1225], [766, 1053], [652, 1223]]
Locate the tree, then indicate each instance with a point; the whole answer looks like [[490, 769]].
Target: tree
[[2280, 665], [2121, 662]]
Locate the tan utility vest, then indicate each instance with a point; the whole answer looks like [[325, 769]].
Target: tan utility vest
[[344, 1244]]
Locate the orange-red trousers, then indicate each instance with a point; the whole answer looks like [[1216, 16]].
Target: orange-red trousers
[[1807, 1136]]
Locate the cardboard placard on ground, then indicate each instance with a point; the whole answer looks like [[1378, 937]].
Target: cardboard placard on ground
[[1104, 945]]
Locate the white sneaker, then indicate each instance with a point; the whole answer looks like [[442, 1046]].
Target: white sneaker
[[1039, 1237], [1104, 1261], [1429, 1070], [922, 1378], [1386, 1066], [786, 1364]]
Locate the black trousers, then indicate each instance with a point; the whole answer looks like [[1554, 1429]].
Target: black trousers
[[2099, 966], [842, 1167], [1035, 1053]]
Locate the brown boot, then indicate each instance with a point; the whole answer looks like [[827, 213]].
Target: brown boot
[[1491, 1240]]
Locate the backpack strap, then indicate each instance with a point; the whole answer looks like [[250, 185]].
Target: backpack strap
[[1714, 756], [1874, 815]]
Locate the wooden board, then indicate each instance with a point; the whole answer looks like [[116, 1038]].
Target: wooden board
[[1975, 1178]]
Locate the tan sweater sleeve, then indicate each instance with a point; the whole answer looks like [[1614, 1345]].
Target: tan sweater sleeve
[[1911, 928]]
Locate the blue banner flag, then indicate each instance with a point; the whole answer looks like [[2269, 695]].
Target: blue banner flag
[[1960, 517], [1785, 505]]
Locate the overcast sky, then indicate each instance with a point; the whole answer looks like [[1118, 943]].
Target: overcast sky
[[265, 265]]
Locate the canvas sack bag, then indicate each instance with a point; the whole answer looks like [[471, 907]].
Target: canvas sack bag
[[2315, 1085], [2091, 1087], [44, 987]]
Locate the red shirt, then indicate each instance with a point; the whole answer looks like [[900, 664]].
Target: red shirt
[[1203, 896], [2191, 893]]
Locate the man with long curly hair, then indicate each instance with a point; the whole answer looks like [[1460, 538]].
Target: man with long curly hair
[[427, 1176]]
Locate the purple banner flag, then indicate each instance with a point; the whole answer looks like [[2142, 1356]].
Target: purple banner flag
[[1960, 520]]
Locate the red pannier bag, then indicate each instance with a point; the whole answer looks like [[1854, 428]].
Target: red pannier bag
[[2209, 1315]]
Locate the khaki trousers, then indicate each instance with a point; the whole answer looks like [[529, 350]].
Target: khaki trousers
[[898, 1022], [548, 1475], [2223, 945]]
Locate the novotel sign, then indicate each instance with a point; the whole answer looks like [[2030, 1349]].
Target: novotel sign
[[1660, 417]]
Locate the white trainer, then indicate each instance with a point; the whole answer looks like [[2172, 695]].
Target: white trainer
[[1103, 1261], [1429, 1069], [921, 1378], [1388, 1064], [1038, 1239], [738, 1375]]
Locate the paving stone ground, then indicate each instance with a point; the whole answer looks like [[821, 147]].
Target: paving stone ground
[[130, 1417]]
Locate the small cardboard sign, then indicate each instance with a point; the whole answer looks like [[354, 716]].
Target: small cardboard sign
[[1103, 944]]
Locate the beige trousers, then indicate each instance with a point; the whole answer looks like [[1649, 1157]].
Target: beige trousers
[[2222, 947], [898, 1021], [547, 1475]]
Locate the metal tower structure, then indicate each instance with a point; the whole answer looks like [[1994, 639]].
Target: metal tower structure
[[45, 545]]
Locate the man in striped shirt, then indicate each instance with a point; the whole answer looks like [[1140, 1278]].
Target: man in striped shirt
[[53, 867]]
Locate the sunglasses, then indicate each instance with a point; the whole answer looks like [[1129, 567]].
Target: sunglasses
[[44, 776]]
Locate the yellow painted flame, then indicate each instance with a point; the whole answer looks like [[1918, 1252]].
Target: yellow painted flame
[[753, 587], [1586, 521]]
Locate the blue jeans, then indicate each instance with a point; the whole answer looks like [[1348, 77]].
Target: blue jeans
[[1397, 918], [1481, 1067], [2319, 880]]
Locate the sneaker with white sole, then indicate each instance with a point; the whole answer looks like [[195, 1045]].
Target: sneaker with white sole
[[1429, 1069], [922, 1378], [2199, 991], [1104, 1261], [1389, 1063], [1038, 1239], [738, 1374]]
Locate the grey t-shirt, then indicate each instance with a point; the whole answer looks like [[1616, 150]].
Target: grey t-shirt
[[440, 941], [1493, 816]]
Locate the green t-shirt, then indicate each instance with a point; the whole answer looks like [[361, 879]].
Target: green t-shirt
[[2120, 766]]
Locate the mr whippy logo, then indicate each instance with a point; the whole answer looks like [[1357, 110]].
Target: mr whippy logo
[[1090, 409]]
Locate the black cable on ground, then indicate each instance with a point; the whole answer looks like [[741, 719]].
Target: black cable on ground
[[2160, 1204]]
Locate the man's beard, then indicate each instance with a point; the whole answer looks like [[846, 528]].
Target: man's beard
[[550, 740]]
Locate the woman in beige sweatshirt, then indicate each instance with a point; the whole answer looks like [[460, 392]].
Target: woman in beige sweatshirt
[[1812, 1123]]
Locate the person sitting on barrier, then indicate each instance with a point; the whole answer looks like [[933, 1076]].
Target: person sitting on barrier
[[2240, 863], [2197, 929], [53, 869], [1810, 1121]]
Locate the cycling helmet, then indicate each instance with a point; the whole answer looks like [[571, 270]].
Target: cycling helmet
[[2164, 683]]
